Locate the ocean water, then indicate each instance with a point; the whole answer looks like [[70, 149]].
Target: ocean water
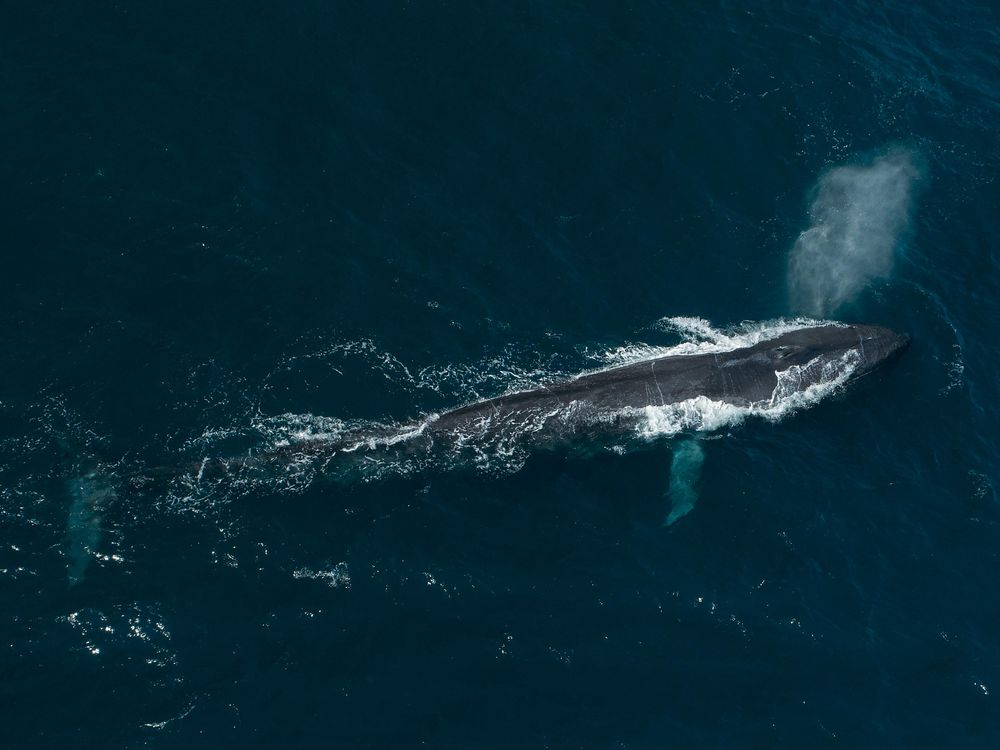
[[232, 226]]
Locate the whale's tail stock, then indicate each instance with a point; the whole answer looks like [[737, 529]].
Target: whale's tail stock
[[288, 461]]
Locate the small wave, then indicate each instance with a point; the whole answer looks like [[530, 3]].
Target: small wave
[[338, 576], [122, 629], [514, 367]]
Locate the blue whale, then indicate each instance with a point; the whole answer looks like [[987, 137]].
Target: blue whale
[[794, 368], [741, 377]]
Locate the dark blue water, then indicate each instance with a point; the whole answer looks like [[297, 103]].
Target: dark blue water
[[230, 224]]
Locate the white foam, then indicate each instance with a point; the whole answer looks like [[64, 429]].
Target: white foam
[[702, 414], [339, 576], [701, 337]]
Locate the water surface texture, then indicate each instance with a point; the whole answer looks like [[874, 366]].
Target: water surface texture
[[231, 227]]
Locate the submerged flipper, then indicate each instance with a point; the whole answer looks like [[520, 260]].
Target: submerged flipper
[[685, 470], [90, 494]]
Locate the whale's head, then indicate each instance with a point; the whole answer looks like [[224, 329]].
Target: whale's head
[[822, 353]]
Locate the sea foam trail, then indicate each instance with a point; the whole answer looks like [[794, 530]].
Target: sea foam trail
[[858, 216]]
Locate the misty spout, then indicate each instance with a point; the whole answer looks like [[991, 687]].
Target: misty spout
[[857, 219]]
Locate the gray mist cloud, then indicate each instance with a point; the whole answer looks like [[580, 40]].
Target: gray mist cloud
[[857, 218]]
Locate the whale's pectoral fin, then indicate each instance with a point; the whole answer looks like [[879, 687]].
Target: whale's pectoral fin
[[685, 470], [90, 494]]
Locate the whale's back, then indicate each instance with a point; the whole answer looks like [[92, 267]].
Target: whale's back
[[738, 377]]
